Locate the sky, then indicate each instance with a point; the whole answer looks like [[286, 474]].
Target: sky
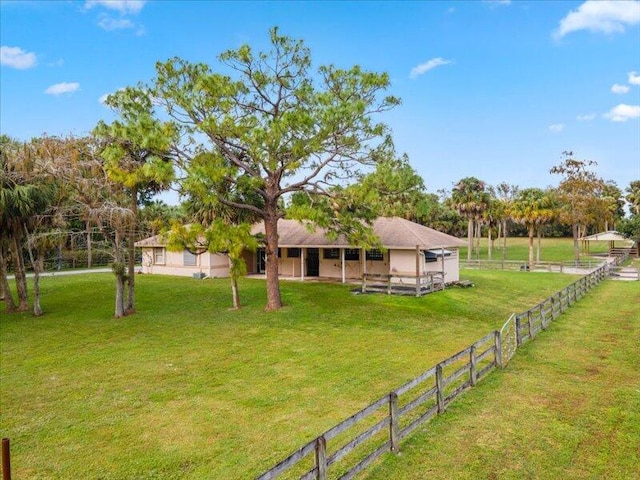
[[491, 89]]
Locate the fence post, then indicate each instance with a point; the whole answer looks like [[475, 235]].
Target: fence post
[[389, 285], [321, 458], [394, 426], [498, 347], [473, 373], [439, 389], [6, 460], [530, 320], [518, 334]]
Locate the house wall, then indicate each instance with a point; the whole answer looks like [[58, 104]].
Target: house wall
[[217, 265], [211, 264], [404, 262]]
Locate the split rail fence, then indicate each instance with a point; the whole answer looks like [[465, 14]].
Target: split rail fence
[[378, 428]]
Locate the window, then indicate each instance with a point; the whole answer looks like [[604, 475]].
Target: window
[[375, 255], [158, 255], [352, 254], [330, 253], [189, 259], [293, 252]]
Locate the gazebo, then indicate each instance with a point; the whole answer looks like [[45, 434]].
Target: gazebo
[[610, 236]]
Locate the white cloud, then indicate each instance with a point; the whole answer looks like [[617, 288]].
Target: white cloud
[[608, 16], [15, 57], [634, 78], [619, 88], [623, 112], [497, 2], [429, 65], [587, 117], [123, 6], [108, 23], [62, 88], [556, 127]]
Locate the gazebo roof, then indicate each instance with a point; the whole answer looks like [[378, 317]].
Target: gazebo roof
[[607, 236]]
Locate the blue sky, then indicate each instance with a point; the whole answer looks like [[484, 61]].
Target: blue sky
[[492, 89]]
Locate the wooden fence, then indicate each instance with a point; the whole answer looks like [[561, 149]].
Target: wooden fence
[[379, 427], [524, 265], [403, 284]]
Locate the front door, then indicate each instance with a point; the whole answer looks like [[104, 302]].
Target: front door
[[312, 261]]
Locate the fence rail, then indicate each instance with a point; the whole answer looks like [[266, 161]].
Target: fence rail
[[394, 416], [523, 265]]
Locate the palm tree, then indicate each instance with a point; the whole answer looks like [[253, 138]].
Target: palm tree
[[27, 191], [633, 196], [532, 207], [470, 199]]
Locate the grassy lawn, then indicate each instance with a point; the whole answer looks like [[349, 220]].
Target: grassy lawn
[[551, 250], [567, 406], [187, 388]]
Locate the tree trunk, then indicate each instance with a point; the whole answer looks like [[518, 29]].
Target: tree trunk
[[470, 238], [274, 300], [19, 273], [35, 264], [576, 245], [531, 235], [10, 305], [490, 245], [89, 258], [504, 240], [538, 247], [119, 268], [235, 293], [119, 295], [131, 250], [37, 268], [478, 232]]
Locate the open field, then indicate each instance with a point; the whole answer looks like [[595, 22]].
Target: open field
[[567, 406], [551, 249], [187, 388]]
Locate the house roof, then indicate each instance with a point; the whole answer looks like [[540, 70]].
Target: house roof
[[610, 235], [394, 232], [155, 241]]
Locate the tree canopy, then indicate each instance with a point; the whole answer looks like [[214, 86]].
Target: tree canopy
[[271, 126]]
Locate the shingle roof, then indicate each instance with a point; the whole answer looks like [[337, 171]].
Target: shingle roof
[[394, 232], [155, 241]]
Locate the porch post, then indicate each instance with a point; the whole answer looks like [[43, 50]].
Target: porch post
[[302, 251], [443, 274], [344, 267], [417, 270]]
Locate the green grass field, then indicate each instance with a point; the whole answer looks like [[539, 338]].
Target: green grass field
[[188, 388], [551, 249], [567, 406]]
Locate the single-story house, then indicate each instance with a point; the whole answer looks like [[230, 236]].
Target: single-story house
[[408, 249]]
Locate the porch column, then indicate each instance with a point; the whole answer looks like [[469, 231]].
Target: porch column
[[302, 251], [443, 273], [343, 265]]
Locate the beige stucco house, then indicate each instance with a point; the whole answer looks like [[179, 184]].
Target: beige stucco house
[[409, 249]]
